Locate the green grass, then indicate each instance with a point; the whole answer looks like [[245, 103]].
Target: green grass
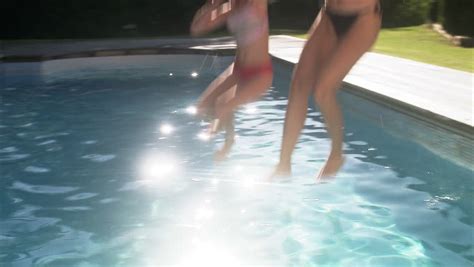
[[416, 43]]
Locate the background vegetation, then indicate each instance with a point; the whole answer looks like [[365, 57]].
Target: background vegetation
[[399, 13], [457, 16], [55, 19]]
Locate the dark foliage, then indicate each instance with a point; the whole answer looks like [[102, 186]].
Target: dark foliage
[[96, 18], [398, 13], [293, 14], [141, 18], [458, 17]]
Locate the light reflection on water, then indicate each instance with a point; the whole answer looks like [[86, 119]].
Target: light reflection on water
[[156, 167], [166, 129], [117, 177]]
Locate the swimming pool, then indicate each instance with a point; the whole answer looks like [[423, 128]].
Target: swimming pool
[[103, 164]]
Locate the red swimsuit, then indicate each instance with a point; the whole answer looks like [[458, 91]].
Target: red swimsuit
[[248, 73], [247, 27]]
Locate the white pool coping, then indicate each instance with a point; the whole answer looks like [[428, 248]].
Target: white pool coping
[[439, 90]]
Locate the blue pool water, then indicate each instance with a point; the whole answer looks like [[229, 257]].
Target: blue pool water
[[102, 165]]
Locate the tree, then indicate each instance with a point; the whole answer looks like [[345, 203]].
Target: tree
[[398, 13], [458, 17]]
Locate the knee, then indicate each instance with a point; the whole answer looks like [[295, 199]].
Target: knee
[[301, 86], [324, 96]]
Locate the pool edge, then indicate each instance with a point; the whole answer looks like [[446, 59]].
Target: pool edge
[[204, 47]]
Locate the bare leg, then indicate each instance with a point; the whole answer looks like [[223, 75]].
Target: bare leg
[[315, 54], [258, 84], [228, 125], [219, 86], [349, 49]]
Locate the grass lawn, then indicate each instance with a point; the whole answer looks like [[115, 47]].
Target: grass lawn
[[417, 43]]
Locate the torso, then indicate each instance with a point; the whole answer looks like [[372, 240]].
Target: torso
[[249, 25]]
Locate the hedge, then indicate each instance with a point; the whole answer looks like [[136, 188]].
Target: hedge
[[400, 13], [107, 18], [458, 17]]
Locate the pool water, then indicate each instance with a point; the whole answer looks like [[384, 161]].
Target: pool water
[[103, 164]]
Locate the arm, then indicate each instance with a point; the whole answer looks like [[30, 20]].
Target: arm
[[210, 16]]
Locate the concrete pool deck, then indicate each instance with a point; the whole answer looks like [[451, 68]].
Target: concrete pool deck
[[440, 93]]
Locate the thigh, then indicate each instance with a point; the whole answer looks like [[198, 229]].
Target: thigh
[[349, 49], [250, 90], [227, 95], [220, 85], [317, 51]]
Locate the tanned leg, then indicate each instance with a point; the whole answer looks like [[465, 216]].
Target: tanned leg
[[316, 53], [349, 49]]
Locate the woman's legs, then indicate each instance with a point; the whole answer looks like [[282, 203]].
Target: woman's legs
[[260, 83], [349, 49], [221, 90], [228, 90], [208, 99], [227, 125], [317, 51]]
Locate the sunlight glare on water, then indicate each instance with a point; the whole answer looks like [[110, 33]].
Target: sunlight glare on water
[[204, 136], [103, 163], [191, 110], [155, 167], [209, 255], [166, 129]]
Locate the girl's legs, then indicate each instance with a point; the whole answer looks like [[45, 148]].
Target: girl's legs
[[227, 88], [258, 84], [208, 99], [349, 49], [227, 125], [316, 53], [221, 90]]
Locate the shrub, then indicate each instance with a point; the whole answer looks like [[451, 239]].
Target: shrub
[[400, 13], [293, 14], [458, 17]]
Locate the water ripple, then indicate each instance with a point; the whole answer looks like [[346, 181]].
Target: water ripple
[[82, 196], [14, 157], [9, 149], [34, 169], [99, 158], [81, 213], [42, 189], [47, 142]]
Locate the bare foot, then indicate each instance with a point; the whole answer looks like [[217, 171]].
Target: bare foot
[[331, 167], [281, 170], [222, 153]]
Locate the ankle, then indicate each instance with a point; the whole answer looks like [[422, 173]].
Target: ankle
[[230, 140], [336, 154], [284, 163]]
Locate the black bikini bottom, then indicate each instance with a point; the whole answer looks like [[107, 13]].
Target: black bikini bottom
[[342, 23]]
